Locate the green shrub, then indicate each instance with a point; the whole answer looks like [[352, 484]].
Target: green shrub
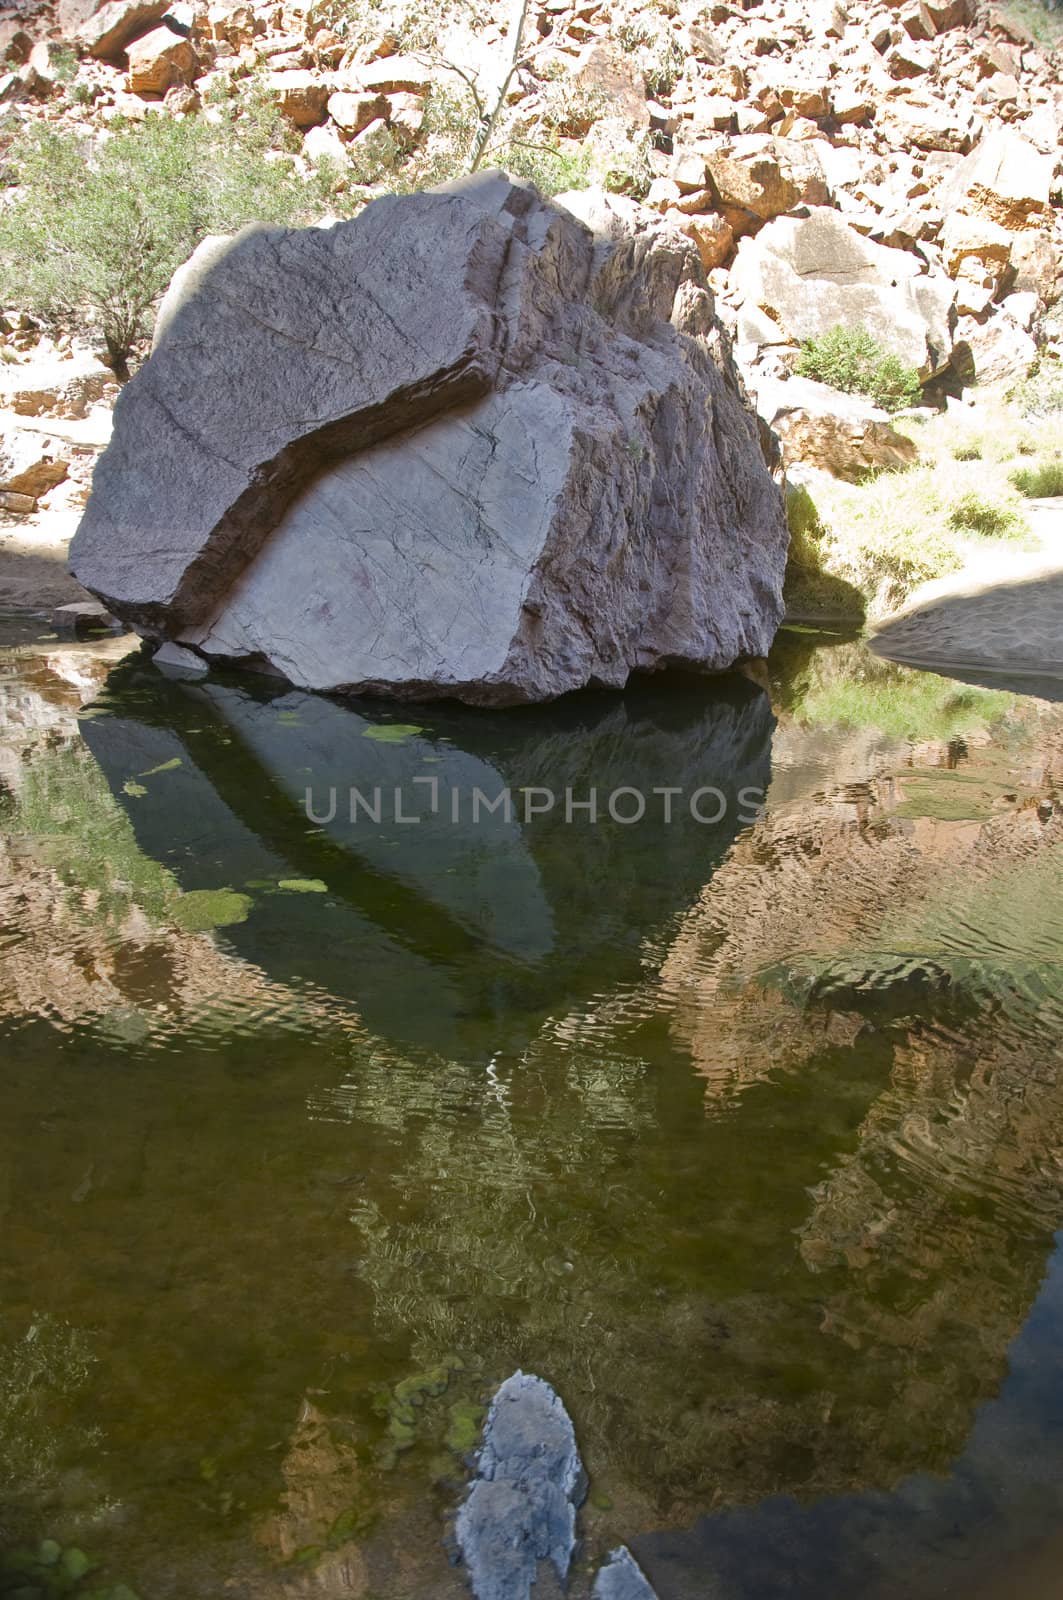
[[852, 360], [656, 51], [967, 452], [1041, 395], [95, 231], [974, 513], [1041, 482]]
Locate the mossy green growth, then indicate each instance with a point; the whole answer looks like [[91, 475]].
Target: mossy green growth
[[308, 1555], [417, 1388], [303, 885], [404, 1404], [463, 1430], [48, 1572], [74, 1564], [199, 910]]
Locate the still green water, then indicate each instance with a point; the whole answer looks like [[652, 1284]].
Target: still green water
[[744, 1129]]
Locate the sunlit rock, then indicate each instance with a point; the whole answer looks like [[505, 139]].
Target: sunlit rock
[[461, 447]]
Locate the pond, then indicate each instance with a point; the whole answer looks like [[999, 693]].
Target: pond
[[355, 1056]]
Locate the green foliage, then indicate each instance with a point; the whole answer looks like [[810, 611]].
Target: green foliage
[[1041, 482], [1041, 394], [976, 513], [96, 231], [552, 168], [851, 360], [655, 50], [967, 452], [64, 64], [410, 24]]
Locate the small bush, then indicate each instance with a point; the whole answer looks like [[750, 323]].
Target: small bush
[[974, 513], [852, 360], [967, 452], [656, 51], [95, 232], [1044, 481], [1041, 396]]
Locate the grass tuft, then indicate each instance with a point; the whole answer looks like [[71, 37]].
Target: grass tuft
[[1042, 482]]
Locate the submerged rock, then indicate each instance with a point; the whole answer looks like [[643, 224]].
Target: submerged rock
[[460, 446], [622, 1579], [521, 1508]]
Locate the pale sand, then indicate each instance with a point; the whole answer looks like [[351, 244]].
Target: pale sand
[[33, 549]]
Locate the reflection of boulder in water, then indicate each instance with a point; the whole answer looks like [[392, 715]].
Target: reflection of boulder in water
[[857, 919], [459, 934]]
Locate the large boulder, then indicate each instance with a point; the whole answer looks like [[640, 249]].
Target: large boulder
[[519, 1518], [993, 350], [756, 177], [109, 29], [1006, 179], [812, 273], [843, 434], [460, 446], [160, 60]]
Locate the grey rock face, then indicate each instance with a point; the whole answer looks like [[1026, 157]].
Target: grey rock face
[[811, 273], [460, 446], [522, 1506]]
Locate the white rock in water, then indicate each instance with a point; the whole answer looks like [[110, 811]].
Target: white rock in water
[[521, 1508], [176, 662], [621, 1579], [461, 446]]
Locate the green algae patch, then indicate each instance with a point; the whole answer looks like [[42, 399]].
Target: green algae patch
[[308, 1555], [134, 789], [74, 1564], [464, 1427], [199, 910], [163, 766], [392, 732], [303, 885]]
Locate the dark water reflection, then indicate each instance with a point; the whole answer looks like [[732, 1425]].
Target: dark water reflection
[[747, 1136]]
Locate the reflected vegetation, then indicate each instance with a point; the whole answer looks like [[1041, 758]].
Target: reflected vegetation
[[745, 1136]]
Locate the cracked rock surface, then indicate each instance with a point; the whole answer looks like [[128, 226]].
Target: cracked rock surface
[[461, 446]]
